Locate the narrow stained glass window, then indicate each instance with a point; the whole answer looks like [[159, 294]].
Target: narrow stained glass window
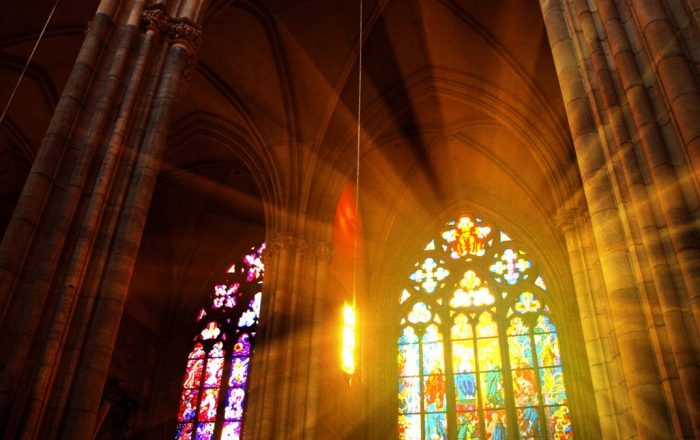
[[478, 351], [212, 403]]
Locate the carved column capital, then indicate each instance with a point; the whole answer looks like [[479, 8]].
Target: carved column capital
[[186, 33], [567, 219], [155, 18], [324, 251]]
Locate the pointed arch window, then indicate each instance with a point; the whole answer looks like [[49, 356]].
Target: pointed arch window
[[214, 388], [478, 350]]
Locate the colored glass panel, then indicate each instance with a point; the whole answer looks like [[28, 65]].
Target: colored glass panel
[[215, 367], [547, 349], [239, 372], [433, 358], [231, 431], [432, 334], [461, 329], [515, 326], [255, 266], [409, 427], [527, 303], [559, 423], [518, 327], [489, 353], [409, 395], [552, 386], [467, 237], [544, 325], [492, 389], [520, 351], [408, 335], [468, 425], [528, 423], [429, 275], [471, 292], [205, 431], [250, 316], [524, 387], [225, 295], [539, 282], [234, 404], [510, 266], [242, 346], [466, 391], [212, 331], [184, 431], [434, 392], [419, 314], [463, 359], [404, 296], [202, 383], [188, 405], [496, 425], [207, 407], [197, 352], [408, 359], [435, 426], [193, 374], [487, 326], [217, 350]]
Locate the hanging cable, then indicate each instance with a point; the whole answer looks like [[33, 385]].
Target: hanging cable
[[29, 60], [349, 335], [357, 163]]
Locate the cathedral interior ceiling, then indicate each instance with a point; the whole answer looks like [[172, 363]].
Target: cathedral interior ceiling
[[461, 108]]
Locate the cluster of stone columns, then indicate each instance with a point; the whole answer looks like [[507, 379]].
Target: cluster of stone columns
[[67, 257], [288, 364], [631, 90]]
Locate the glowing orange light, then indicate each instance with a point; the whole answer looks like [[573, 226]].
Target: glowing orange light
[[348, 339]]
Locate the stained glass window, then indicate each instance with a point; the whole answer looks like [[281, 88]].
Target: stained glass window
[[212, 403], [478, 350]]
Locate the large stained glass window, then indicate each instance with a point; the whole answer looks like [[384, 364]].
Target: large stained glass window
[[478, 352], [215, 384]]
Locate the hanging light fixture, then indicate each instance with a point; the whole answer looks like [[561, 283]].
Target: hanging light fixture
[[350, 320]]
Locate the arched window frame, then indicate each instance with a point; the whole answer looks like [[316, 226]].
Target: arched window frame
[[215, 384], [480, 258]]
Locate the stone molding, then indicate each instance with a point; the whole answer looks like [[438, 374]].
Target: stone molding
[[181, 31], [155, 17], [568, 219], [187, 33]]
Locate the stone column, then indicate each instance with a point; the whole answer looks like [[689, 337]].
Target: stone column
[[663, 294], [284, 391], [68, 256], [321, 258], [569, 222], [92, 371], [636, 353]]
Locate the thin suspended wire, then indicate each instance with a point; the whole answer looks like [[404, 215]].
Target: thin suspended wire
[[29, 60], [357, 164]]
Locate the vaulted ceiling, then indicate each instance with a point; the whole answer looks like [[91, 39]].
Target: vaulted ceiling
[[461, 107]]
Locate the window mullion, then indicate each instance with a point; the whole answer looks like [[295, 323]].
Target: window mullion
[[421, 386], [511, 416], [540, 398], [477, 374], [449, 373]]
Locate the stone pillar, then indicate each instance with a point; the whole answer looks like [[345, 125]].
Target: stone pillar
[[322, 257], [662, 298], [284, 391], [569, 221], [70, 250], [637, 356]]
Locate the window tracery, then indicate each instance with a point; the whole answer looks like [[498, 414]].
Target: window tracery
[[478, 351], [212, 402]]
